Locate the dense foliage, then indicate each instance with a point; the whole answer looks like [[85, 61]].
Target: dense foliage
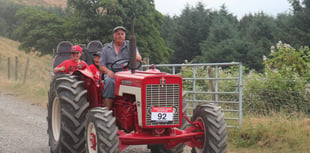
[[8, 21], [42, 36], [86, 20], [284, 87], [207, 36]]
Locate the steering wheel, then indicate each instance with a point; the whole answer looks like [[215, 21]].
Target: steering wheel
[[124, 62]]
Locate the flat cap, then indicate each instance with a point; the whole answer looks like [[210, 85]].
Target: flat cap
[[119, 27]]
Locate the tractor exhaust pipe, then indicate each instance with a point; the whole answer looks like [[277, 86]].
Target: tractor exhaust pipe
[[132, 47]]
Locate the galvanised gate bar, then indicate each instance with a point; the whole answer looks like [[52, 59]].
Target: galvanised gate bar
[[219, 83]]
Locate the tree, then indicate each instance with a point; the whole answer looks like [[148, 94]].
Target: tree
[[190, 29], [287, 29], [95, 19], [301, 22], [40, 31], [147, 24], [8, 21], [259, 33], [92, 20], [222, 44]]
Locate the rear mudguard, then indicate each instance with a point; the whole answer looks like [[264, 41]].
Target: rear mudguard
[[94, 91], [84, 72]]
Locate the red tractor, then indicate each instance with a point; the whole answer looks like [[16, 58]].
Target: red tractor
[[148, 110]]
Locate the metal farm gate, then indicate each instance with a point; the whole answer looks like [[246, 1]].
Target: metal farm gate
[[219, 83]]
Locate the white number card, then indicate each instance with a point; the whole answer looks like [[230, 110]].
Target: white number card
[[162, 114]]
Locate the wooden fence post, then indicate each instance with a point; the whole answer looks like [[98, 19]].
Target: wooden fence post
[[211, 82], [145, 61], [9, 68], [26, 69], [16, 66]]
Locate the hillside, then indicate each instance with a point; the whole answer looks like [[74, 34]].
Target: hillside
[[38, 77], [46, 3]]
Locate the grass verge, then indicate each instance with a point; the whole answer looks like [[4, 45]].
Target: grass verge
[[269, 134]]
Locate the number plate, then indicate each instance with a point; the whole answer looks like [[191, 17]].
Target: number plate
[[162, 114]]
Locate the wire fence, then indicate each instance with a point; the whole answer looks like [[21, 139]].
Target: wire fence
[[264, 99]]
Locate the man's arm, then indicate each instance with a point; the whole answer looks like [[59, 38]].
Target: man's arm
[[107, 71]]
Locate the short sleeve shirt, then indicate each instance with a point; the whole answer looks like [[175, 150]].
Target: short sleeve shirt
[[109, 56], [71, 66]]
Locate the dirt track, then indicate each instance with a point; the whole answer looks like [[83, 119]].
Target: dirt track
[[23, 128]]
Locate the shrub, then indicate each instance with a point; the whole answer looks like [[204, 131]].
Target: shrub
[[282, 86]]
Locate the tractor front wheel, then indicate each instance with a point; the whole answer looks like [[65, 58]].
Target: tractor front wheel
[[214, 127], [101, 131], [67, 108]]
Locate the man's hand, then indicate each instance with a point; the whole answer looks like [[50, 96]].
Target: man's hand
[[138, 57], [110, 74], [106, 71]]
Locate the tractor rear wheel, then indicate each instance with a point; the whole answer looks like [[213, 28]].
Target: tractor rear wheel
[[214, 126], [101, 131], [67, 108]]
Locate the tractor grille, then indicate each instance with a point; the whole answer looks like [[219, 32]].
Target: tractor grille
[[167, 95]]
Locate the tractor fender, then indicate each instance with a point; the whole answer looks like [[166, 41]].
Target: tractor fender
[[84, 72]]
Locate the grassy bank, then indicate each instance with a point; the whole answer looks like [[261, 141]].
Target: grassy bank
[[37, 80]]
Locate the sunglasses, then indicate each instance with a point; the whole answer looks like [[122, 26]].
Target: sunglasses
[[74, 52]]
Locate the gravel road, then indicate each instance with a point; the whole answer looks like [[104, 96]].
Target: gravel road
[[23, 127]]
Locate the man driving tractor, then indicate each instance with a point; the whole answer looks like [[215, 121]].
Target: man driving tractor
[[113, 51]]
